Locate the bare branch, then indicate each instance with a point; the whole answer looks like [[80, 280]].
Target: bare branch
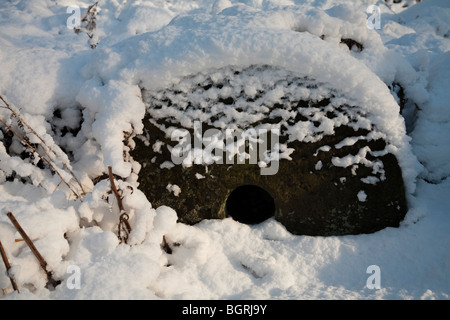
[[124, 225], [8, 267], [33, 249], [44, 145], [40, 154]]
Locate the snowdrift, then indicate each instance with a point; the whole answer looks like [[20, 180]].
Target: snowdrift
[[82, 95]]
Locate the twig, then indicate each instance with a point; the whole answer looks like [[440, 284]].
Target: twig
[[113, 187], [8, 266], [44, 144], [124, 225], [89, 28], [40, 154], [166, 246], [33, 249]]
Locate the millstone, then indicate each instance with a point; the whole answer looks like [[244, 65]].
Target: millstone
[[334, 174]]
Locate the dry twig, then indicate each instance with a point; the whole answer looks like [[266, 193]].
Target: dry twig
[[33, 249], [124, 225], [47, 149], [8, 267], [166, 246], [27, 143]]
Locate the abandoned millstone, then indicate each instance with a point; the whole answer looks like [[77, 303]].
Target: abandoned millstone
[[332, 173]]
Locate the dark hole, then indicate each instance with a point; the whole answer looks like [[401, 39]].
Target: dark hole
[[227, 101], [350, 43], [250, 204]]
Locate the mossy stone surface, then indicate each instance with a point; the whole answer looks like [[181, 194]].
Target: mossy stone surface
[[308, 201], [335, 176]]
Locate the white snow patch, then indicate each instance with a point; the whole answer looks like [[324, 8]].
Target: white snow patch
[[174, 189], [154, 45], [362, 196]]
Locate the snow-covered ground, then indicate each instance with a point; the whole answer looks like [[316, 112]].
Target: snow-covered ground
[[82, 95]]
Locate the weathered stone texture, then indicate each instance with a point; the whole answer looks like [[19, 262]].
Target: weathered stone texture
[[312, 192]]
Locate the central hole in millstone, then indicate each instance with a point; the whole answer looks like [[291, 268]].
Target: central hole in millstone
[[250, 204]]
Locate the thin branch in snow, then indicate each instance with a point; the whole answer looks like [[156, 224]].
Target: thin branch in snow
[[27, 143], [33, 249], [47, 149], [124, 225], [166, 246], [8, 267]]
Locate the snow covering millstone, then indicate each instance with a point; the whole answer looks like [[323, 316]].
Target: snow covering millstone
[[97, 90], [315, 125]]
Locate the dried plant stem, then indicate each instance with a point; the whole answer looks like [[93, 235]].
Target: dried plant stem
[[124, 225], [42, 157], [166, 246], [8, 266], [44, 144], [33, 249], [113, 187]]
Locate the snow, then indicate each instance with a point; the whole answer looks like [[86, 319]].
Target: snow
[[85, 103], [174, 189], [362, 196]]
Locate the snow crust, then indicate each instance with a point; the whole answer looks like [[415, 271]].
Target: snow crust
[[57, 83]]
